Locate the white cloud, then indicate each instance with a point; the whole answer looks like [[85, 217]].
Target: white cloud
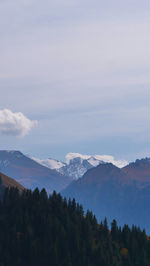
[[65, 60], [15, 124], [71, 155], [111, 159], [104, 158]]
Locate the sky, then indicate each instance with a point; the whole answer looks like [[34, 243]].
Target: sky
[[75, 77]]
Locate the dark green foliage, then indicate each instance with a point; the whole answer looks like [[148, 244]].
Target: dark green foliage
[[49, 231]]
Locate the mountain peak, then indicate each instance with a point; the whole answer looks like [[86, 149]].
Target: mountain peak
[[139, 170], [102, 170], [49, 163], [116, 193], [30, 173], [71, 156], [143, 160], [95, 160], [11, 153], [77, 164]]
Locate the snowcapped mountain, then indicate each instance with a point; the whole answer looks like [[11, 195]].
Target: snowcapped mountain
[[50, 163], [30, 173], [95, 160], [75, 168], [77, 164]]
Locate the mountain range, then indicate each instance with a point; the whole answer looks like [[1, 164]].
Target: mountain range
[[77, 164], [29, 173], [116, 192], [122, 194]]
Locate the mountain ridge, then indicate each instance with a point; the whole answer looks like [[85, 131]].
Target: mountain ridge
[[77, 164], [30, 173], [114, 193]]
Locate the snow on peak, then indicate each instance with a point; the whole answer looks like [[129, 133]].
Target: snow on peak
[[77, 164], [70, 156], [111, 159], [53, 164], [50, 163], [95, 160]]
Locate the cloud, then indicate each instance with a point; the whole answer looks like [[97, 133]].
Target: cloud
[[15, 124], [104, 158], [84, 72], [111, 159]]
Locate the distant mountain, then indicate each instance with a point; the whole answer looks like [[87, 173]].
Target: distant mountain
[[75, 168], [123, 194], [77, 164], [139, 171], [30, 173], [50, 163], [6, 181]]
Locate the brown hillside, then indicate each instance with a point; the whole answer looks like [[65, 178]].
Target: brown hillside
[[138, 171], [6, 181]]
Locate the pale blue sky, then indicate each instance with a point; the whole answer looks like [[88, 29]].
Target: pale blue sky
[[82, 70]]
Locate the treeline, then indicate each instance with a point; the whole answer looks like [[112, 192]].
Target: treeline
[[50, 231]]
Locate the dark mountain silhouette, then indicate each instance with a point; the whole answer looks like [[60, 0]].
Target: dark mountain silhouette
[[6, 182], [116, 193], [29, 173]]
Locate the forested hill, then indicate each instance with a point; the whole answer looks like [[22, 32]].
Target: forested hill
[[39, 230]]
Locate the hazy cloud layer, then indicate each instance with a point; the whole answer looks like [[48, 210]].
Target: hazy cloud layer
[[15, 124]]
